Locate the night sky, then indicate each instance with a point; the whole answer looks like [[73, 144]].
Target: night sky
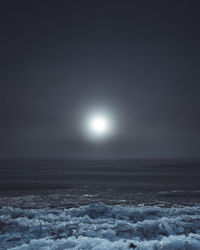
[[138, 60]]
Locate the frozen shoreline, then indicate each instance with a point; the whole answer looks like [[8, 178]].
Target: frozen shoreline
[[100, 226]]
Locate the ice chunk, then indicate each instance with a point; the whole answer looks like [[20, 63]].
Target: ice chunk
[[99, 226]]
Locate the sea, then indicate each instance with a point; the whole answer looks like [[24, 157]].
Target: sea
[[99, 204]]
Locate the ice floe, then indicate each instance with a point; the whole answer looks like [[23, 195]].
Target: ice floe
[[99, 226]]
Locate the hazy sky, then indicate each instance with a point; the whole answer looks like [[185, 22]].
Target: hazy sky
[[137, 60]]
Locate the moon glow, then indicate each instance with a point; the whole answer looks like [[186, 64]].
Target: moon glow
[[98, 126]]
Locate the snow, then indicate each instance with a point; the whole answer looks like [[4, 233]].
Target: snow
[[99, 226]]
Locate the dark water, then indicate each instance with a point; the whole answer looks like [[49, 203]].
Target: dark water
[[71, 182]]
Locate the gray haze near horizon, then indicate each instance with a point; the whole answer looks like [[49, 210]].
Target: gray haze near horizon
[[68, 183], [139, 60]]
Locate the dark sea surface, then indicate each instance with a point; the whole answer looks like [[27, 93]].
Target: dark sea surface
[[99, 204], [69, 183]]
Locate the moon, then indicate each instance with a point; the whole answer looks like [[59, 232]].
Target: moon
[[99, 125]]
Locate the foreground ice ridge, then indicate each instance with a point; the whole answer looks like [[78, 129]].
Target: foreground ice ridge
[[100, 226]]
